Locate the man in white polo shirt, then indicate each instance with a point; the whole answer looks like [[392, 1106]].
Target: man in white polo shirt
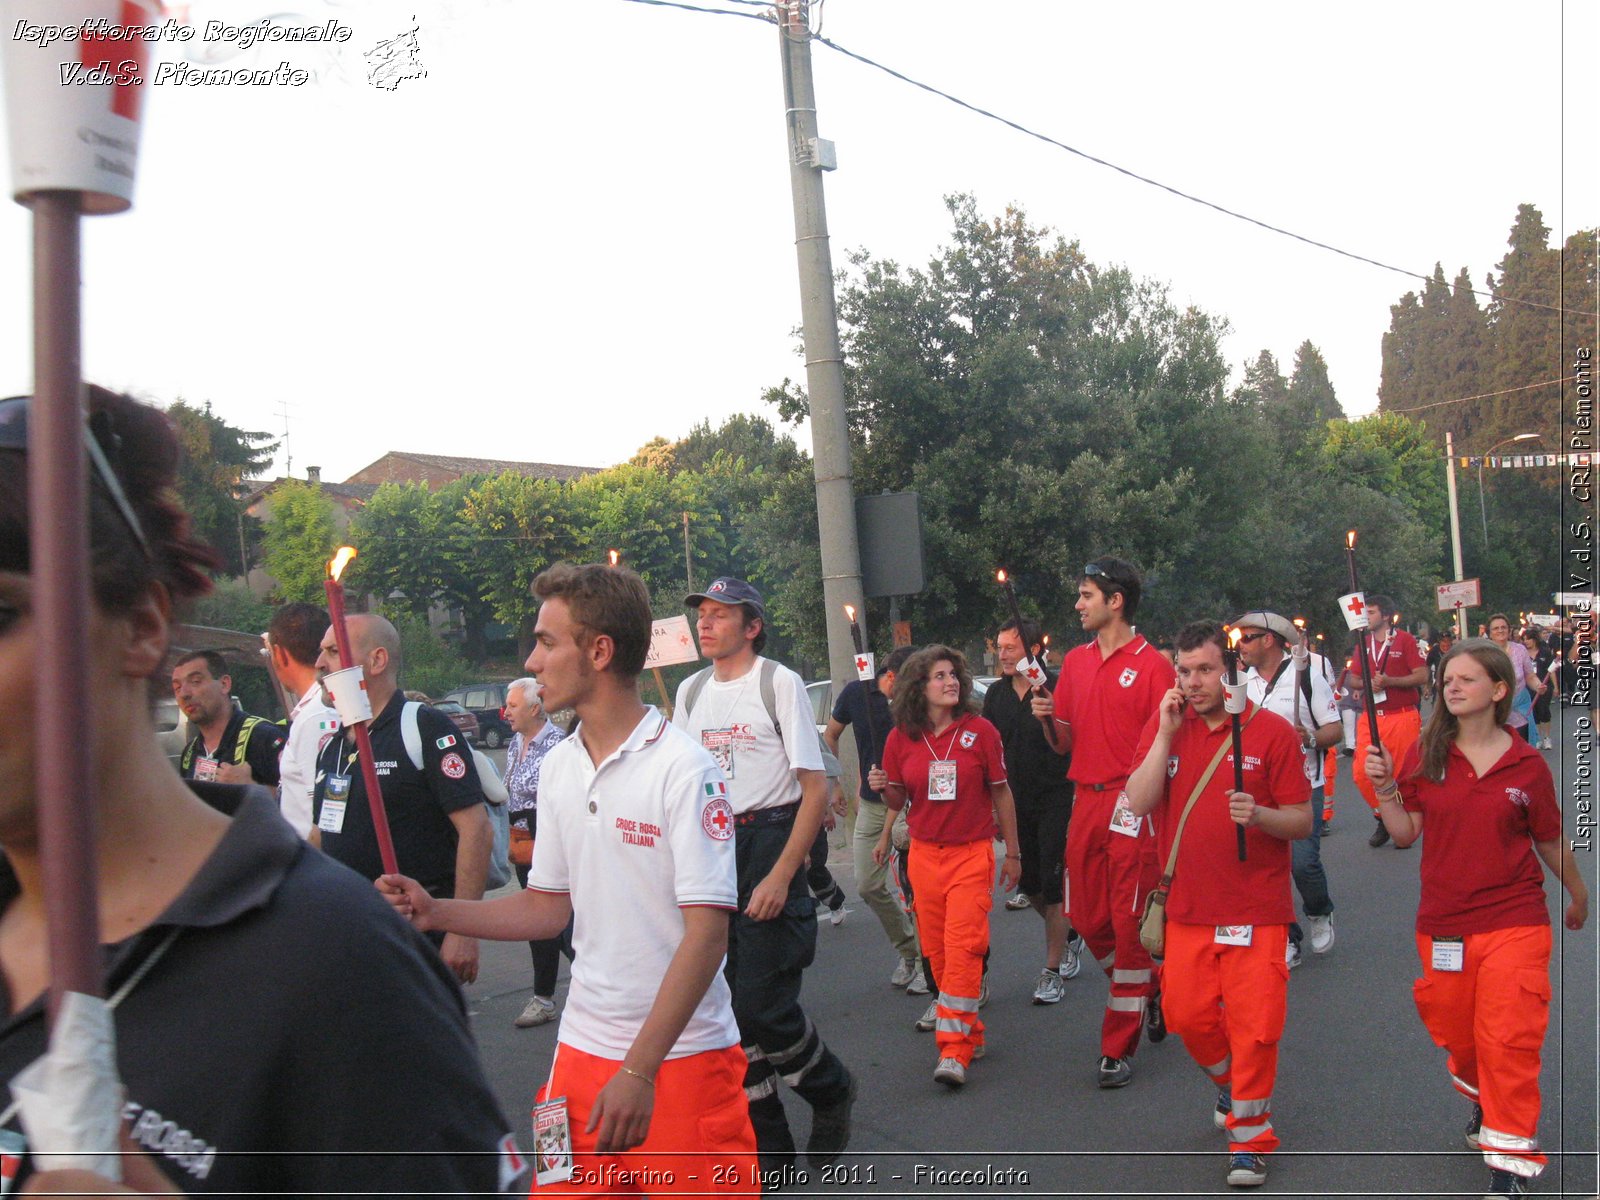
[[753, 716], [636, 835]]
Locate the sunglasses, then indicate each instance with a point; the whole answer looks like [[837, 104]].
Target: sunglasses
[[1248, 638], [1096, 571], [14, 436]]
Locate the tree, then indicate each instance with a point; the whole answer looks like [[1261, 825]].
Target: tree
[[216, 459], [300, 539]]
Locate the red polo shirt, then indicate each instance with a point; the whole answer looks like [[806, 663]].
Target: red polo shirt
[[1401, 656], [1210, 885], [974, 745], [1479, 869], [1107, 702]]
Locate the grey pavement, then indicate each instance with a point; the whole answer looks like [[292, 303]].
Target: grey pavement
[[1362, 1104]]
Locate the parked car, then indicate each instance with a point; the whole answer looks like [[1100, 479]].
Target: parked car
[[820, 694], [464, 720], [487, 702]]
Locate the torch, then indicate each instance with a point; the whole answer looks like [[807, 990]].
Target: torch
[[350, 697], [1029, 668], [1235, 701], [1354, 607], [866, 672], [615, 558]]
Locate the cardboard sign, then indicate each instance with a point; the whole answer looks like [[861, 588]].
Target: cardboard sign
[[1462, 593], [671, 643]]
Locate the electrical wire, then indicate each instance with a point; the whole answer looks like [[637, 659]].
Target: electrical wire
[[1479, 396], [721, 12]]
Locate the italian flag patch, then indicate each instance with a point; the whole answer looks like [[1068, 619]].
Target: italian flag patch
[[716, 789]]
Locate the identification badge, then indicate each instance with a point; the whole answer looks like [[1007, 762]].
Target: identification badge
[[1234, 935], [552, 1142], [205, 769], [1123, 820], [720, 743], [942, 780], [1379, 695], [335, 795], [1449, 954]]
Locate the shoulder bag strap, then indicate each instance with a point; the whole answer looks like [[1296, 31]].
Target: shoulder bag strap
[[1177, 838]]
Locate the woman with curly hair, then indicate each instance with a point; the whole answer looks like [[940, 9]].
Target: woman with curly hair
[[1483, 926], [947, 763]]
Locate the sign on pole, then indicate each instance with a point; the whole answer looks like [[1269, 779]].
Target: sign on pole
[[671, 643], [1461, 593], [1582, 601]]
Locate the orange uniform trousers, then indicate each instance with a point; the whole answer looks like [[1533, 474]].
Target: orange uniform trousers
[[1490, 1017], [700, 1140], [1108, 877], [1398, 731], [1330, 774], [1228, 1004], [952, 887]]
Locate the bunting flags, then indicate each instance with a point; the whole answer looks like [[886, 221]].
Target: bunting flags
[[1524, 461]]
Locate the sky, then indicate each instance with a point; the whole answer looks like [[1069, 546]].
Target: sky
[[574, 232]]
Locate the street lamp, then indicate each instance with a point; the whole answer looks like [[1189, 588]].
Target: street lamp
[[1483, 512]]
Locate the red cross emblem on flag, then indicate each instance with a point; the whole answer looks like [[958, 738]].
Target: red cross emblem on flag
[[861, 663], [1355, 605], [1354, 609]]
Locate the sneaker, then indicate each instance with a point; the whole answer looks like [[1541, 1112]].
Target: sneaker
[[904, 973], [979, 1051], [983, 992], [1019, 902], [1246, 1169], [1050, 989], [836, 915], [1219, 1116], [1380, 835], [830, 1129], [1155, 1021], [1545, 745], [1505, 1183], [1473, 1126], [1071, 962], [928, 1019], [1115, 1072], [919, 983], [1291, 955], [538, 1011], [950, 1072], [1321, 930]]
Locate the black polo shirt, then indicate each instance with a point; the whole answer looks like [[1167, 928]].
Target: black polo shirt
[[293, 1019], [851, 709], [260, 751], [1037, 774], [418, 803]]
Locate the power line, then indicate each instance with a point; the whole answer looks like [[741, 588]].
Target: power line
[[1479, 396], [721, 12]]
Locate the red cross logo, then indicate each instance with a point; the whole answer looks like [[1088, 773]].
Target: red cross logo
[[861, 663], [1355, 605], [720, 820]]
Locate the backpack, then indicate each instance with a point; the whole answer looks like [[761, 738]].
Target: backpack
[[696, 684], [495, 796]]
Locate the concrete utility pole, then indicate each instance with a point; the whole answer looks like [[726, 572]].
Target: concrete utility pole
[[809, 156], [1455, 524]]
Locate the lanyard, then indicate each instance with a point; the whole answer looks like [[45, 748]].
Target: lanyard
[[948, 746]]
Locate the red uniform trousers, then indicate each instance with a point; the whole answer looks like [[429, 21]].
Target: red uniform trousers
[[1108, 877], [1491, 1017], [1330, 773], [700, 1140], [953, 889], [1398, 731], [1228, 1004]]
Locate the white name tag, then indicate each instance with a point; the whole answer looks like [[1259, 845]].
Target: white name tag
[[1234, 935], [1379, 695], [942, 780], [1449, 954], [331, 818], [205, 769], [1123, 820], [552, 1142]]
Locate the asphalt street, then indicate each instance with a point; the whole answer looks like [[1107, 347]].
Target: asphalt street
[[1362, 1103]]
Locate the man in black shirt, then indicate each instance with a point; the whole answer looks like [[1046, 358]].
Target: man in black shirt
[[1038, 778], [872, 880], [228, 746], [437, 818]]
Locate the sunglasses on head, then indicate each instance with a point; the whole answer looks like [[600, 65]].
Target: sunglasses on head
[[1096, 571], [14, 436]]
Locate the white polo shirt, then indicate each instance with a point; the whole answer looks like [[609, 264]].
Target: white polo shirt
[[1279, 698], [311, 724], [730, 719], [646, 833]]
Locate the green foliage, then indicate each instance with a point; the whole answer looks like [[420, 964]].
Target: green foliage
[[216, 458], [230, 605], [300, 539], [428, 663]]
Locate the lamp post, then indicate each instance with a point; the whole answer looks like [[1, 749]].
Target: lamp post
[[1483, 512]]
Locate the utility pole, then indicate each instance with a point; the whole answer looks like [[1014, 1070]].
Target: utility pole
[[1455, 524], [809, 156], [688, 570]]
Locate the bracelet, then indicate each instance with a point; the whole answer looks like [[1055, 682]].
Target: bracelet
[[637, 1075], [1018, 857]]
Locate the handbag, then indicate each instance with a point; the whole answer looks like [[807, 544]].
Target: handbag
[[521, 846], [1153, 920]]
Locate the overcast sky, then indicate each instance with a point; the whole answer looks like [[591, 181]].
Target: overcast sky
[[574, 233]]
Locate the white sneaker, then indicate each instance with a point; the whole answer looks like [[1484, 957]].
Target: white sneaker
[[983, 992], [919, 983], [1019, 902], [1071, 958], [538, 1011], [1050, 989], [928, 1019], [1291, 955], [950, 1072], [836, 915], [1545, 745], [904, 973], [1321, 931]]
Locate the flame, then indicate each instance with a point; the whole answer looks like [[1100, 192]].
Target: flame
[[614, 557], [1046, 641], [1299, 622], [1234, 634], [1000, 576], [1350, 539], [341, 560], [850, 613]]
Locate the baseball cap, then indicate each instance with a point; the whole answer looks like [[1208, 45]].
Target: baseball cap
[[1272, 622], [728, 590]]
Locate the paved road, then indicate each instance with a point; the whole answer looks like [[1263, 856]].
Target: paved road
[[1362, 1102]]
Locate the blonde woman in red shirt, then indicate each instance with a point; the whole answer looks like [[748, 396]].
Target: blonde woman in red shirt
[[1483, 927], [947, 762]]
